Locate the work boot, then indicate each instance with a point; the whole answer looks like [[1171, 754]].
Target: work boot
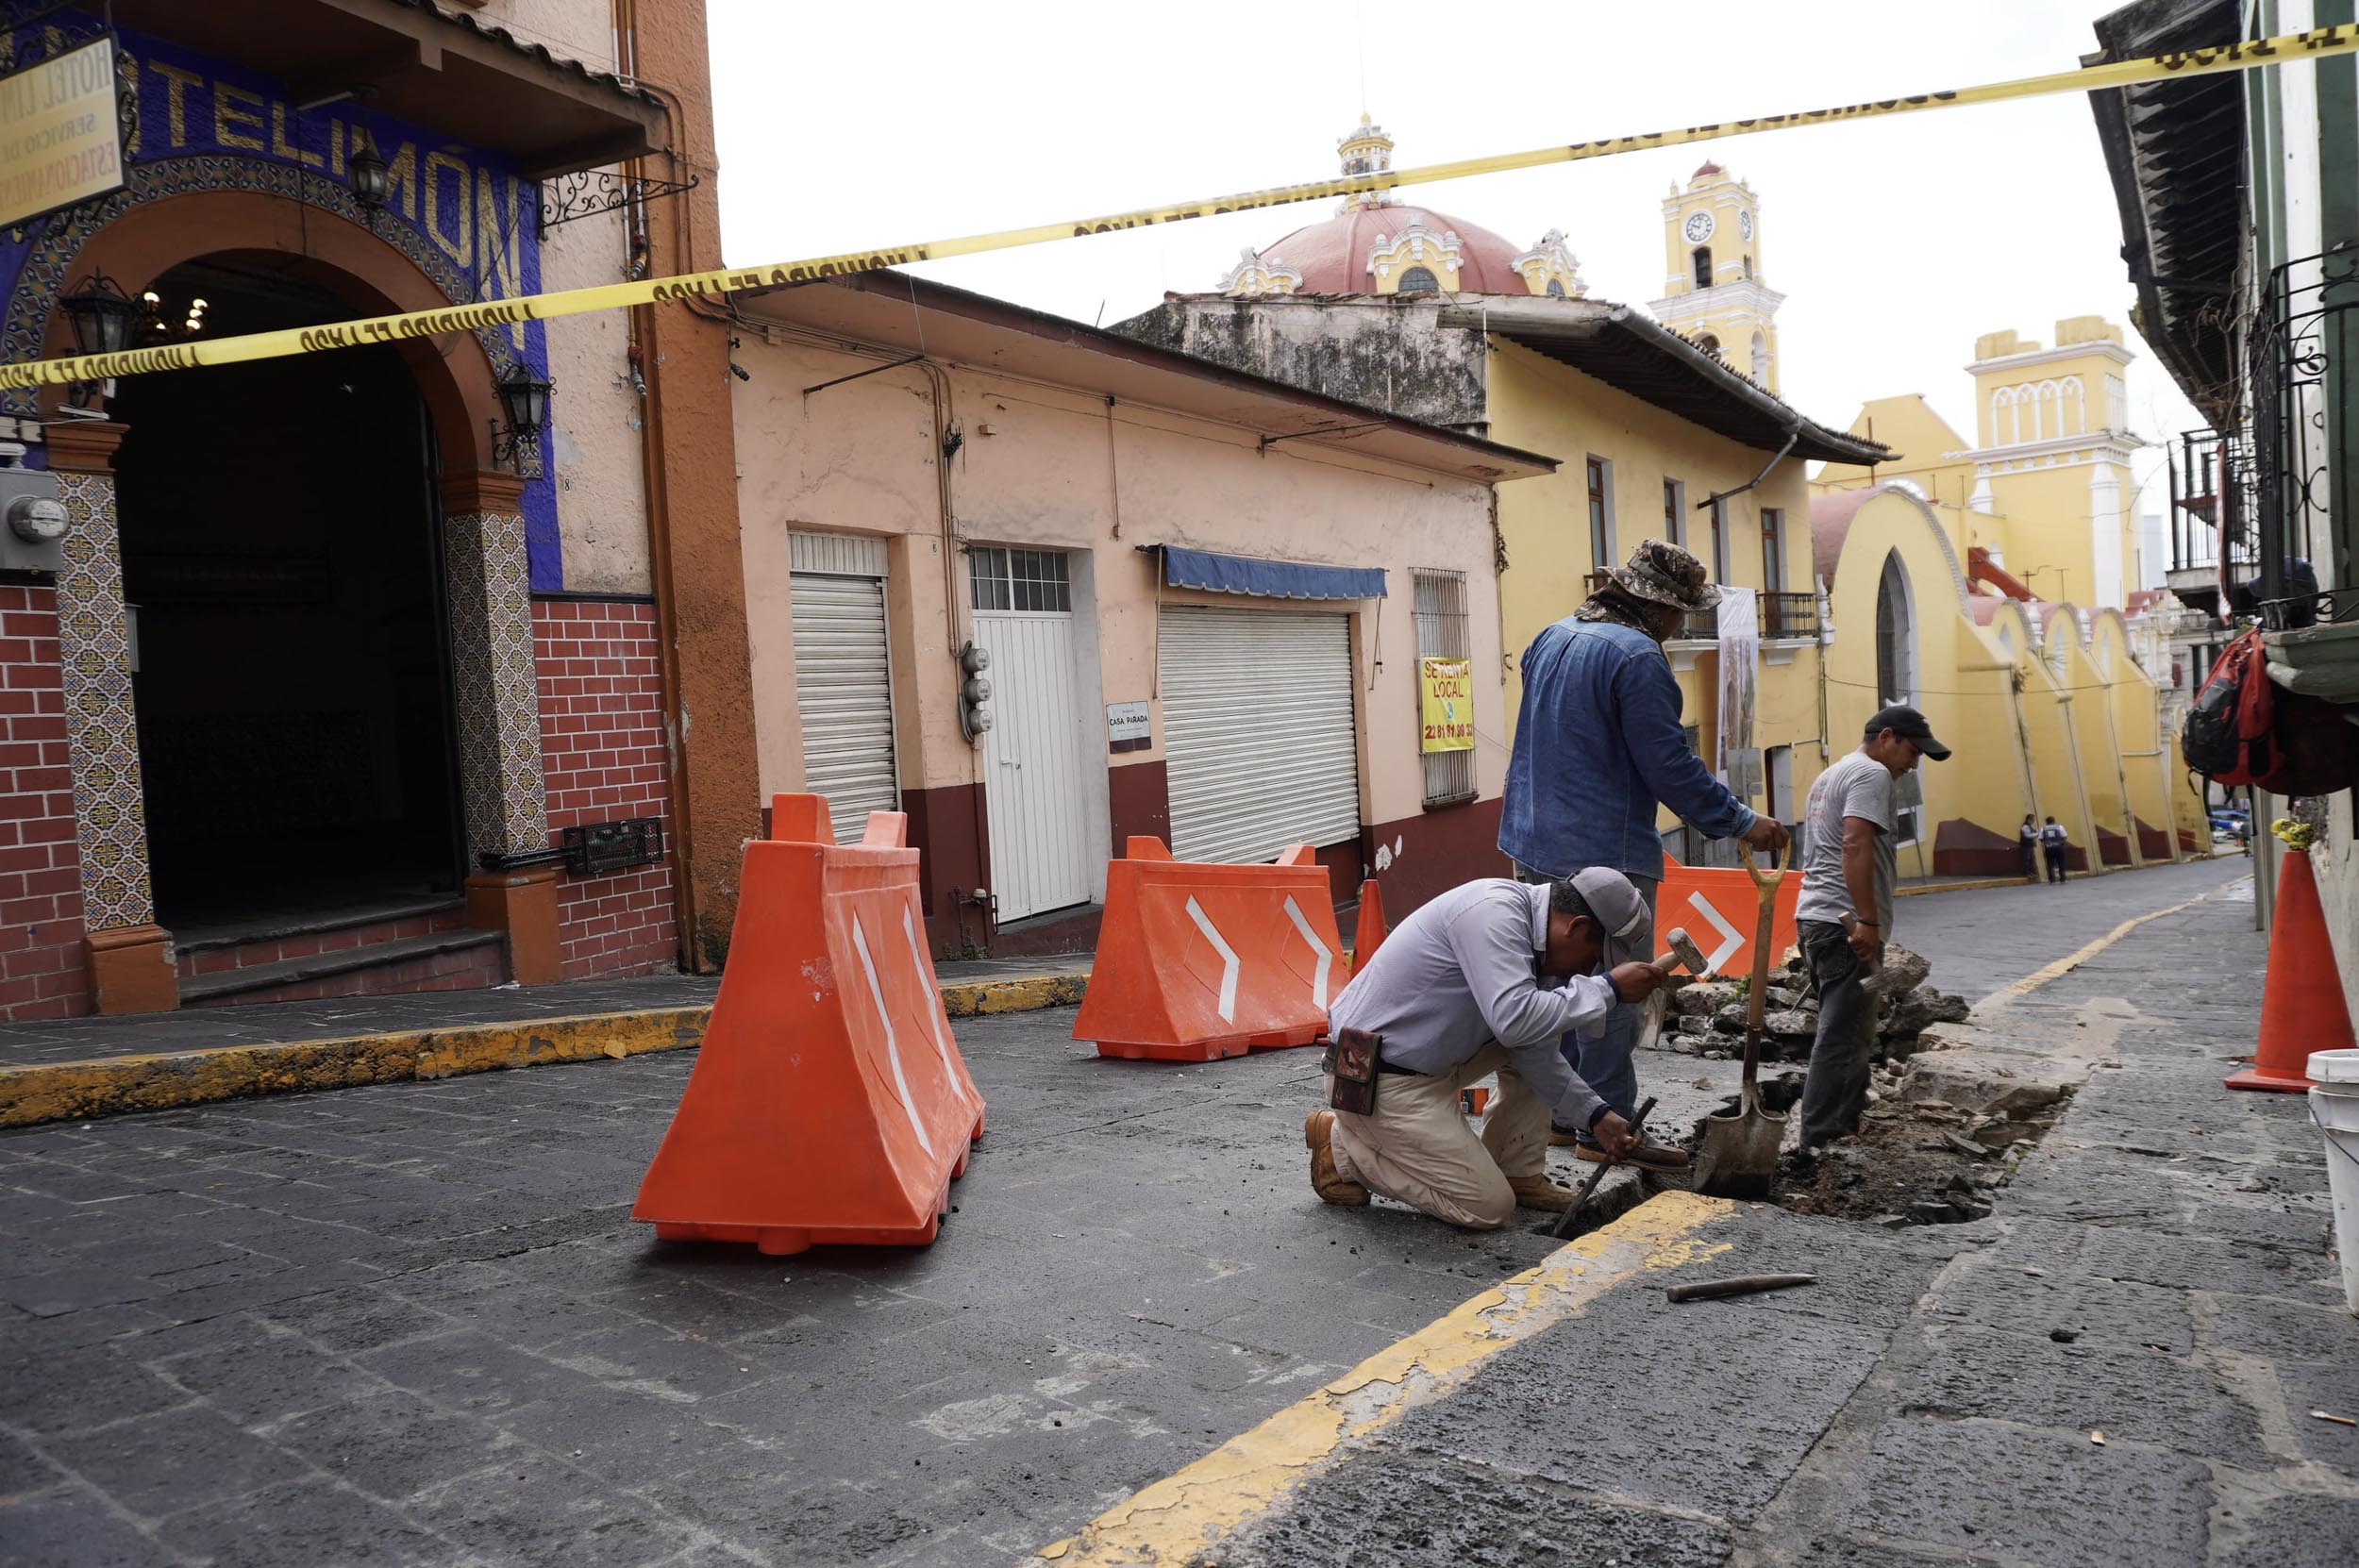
[[1538, 1191], [1647, 1156], [1318, 1130]]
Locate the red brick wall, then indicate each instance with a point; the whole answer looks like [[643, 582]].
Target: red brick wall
[[42, 973], [602, 750]]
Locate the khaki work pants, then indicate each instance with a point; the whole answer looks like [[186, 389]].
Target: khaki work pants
[[1417, 1148]]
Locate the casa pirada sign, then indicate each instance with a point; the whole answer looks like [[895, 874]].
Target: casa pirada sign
[[461, 212], [1445, 703]]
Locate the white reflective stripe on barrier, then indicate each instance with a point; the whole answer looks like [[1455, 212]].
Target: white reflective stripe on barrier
[[1318, 981], [1228, 960], [1732, 939], [936, 1021], [893, 1052]]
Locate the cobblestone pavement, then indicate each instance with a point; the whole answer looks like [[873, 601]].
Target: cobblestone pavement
[[412, 1324]]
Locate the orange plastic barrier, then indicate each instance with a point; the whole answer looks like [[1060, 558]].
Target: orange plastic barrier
[[1368, 928], [1198, 960], [1720, 908], [2302, 997], [828, 1103]]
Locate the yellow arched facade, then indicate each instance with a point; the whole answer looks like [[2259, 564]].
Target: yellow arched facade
[[2043, 719]]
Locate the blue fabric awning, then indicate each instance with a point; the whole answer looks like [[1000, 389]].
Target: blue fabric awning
[[1268, 579]]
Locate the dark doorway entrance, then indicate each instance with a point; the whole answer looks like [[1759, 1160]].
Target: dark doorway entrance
[[279, 546]]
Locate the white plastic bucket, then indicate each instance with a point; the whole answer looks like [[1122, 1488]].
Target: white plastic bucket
[[2334, 1105]]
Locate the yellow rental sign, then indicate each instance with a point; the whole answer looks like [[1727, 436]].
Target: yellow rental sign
[[60, 141], [1446, 702]]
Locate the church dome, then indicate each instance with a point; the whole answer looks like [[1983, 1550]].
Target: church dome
[[1378, 245], [1333, 256]]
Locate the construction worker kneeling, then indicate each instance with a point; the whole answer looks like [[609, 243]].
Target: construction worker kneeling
[[1486, 978]]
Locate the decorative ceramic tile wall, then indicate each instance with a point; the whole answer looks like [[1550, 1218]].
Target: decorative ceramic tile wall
[[102, 736], [495, 681]]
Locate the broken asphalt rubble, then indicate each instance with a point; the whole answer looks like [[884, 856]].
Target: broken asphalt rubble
[[1951, 1108]]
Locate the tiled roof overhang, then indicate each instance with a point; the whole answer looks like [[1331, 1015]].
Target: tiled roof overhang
[[2175, 151], [1628, 349], [476, 83]]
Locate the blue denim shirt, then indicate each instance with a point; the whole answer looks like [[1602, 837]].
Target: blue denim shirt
[[1598, 745]]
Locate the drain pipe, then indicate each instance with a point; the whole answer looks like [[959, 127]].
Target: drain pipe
[[1793, 434]]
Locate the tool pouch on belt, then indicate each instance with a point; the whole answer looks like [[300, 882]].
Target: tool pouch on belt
[[1353, 1060]]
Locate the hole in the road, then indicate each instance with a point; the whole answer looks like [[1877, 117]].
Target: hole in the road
[[1943, 1132]]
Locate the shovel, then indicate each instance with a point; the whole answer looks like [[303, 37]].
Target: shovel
[[1739, 1154]]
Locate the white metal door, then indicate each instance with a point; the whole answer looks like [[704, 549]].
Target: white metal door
[[1258, 742], [1033, 753], [843, 687]]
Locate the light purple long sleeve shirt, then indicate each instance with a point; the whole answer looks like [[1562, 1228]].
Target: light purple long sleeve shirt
[[1464, 971]]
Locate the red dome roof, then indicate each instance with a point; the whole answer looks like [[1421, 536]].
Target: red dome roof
[[1333, 257]]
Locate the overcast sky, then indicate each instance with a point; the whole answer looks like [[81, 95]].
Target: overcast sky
[[1896, 240]]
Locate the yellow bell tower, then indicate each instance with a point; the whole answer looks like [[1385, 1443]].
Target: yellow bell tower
[[1712, 287]]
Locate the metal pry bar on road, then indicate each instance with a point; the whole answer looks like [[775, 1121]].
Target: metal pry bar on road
[[1581, 1200], [1705, 1290]]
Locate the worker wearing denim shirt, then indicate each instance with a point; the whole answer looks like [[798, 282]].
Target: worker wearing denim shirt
[[1597, 748]]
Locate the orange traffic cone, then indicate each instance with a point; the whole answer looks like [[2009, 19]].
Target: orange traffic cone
[[1368, 929], [2301, 1000]]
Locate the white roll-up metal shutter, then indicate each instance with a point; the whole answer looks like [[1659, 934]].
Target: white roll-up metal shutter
[[1258, 742], [844, 677]]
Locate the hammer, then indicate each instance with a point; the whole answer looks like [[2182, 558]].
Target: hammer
[[1878, 982], [1684, 951]]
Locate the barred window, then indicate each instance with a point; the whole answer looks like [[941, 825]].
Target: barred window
[[1019, 579], [1440, 609]]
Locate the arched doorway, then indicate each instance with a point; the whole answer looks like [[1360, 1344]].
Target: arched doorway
[[278, 531]]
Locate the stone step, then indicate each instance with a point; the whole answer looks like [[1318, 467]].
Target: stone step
[[199, 988]]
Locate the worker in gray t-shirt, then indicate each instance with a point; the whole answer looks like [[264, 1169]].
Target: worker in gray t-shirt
[[1846, 870]]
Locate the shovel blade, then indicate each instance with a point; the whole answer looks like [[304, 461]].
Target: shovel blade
[[1738, 1157]]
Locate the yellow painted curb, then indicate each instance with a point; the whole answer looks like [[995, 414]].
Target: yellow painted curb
[[1187, 1515], [974, 998], [109, 1086]]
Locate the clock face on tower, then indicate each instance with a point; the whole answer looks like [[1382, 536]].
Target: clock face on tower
[[1700, 228], [1745, 224]]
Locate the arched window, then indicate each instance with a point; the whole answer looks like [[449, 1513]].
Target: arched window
[[1419, 280], [1556, 288], [1761, 359], [1702, 258], [1896, 636], [1748, 269], [1709, 344]]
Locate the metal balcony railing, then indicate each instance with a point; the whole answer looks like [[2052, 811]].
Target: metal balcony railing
[[2304, 357]]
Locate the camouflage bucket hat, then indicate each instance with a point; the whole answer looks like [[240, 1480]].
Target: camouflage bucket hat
[[1666, 574]]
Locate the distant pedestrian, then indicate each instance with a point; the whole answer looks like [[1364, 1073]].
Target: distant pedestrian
[[1848, 870], [2027, 842], [2052, 840]]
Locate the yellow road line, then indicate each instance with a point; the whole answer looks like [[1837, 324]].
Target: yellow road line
[[1191, 1512], [2073, 960], [2317, 43]]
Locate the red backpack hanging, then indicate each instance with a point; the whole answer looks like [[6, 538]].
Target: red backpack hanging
[[2231, 735]]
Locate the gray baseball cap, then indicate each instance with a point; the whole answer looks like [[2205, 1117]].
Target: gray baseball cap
[[1621, 914]]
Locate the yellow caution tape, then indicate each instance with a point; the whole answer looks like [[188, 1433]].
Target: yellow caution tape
[[2318, 43]]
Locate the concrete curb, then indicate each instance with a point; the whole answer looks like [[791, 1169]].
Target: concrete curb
[[112, 1086]]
